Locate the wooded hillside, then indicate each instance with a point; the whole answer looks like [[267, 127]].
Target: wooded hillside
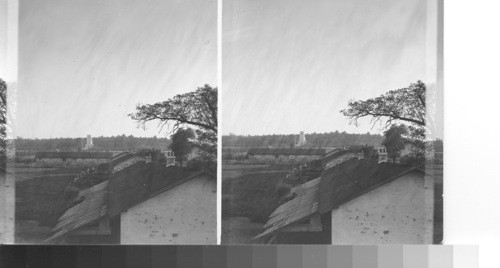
[[317, 140], [113, 143]]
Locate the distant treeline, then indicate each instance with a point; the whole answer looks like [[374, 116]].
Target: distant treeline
[[316, 140], [113, 143]]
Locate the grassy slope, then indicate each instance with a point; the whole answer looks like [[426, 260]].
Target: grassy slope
[[250, 191], [42, 197]]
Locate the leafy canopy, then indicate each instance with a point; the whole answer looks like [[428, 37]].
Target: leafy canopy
[[182, 143], [404, 104], [3, 102], [395, 140], [197, 108], [3, 122]]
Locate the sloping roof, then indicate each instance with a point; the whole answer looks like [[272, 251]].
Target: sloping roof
[[303, 205], [285, 151], [120, 158], [336, 186], [91, 208], [336, 153], [125, 189], [104, 155], [353, 178], [141, 181], [116, 160]]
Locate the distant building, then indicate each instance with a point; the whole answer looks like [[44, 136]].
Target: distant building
[[89, 144], [73, 157], [285, 154], [145, 203], [302, 139], [382, 154], [169, 155], [359, 201]]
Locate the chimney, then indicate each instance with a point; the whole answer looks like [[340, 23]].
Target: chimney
[[361, 155], [382, 155]]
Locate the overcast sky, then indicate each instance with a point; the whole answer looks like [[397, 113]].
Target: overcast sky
[[291, 65], [85, 64]]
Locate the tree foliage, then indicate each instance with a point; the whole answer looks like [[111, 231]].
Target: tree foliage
[[206, 141], [416, 138], [101, 143], [182, 143], [3, 102], [369, 152], [395, 140], [3, 123], [401, 105], [405, 105], [315, 140], [438, 145], [196, 109]]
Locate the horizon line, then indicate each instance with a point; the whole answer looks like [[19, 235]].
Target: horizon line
[[305, 133]]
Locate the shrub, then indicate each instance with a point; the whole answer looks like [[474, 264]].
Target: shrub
[[282, 189]]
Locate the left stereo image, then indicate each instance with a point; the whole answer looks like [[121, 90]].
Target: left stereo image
[[109, 123]]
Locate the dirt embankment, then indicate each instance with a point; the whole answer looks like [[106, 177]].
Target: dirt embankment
[[250, 193], [251, 190], [239, 230], [40, 201]]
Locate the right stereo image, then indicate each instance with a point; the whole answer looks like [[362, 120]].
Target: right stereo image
[[332, 122]]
